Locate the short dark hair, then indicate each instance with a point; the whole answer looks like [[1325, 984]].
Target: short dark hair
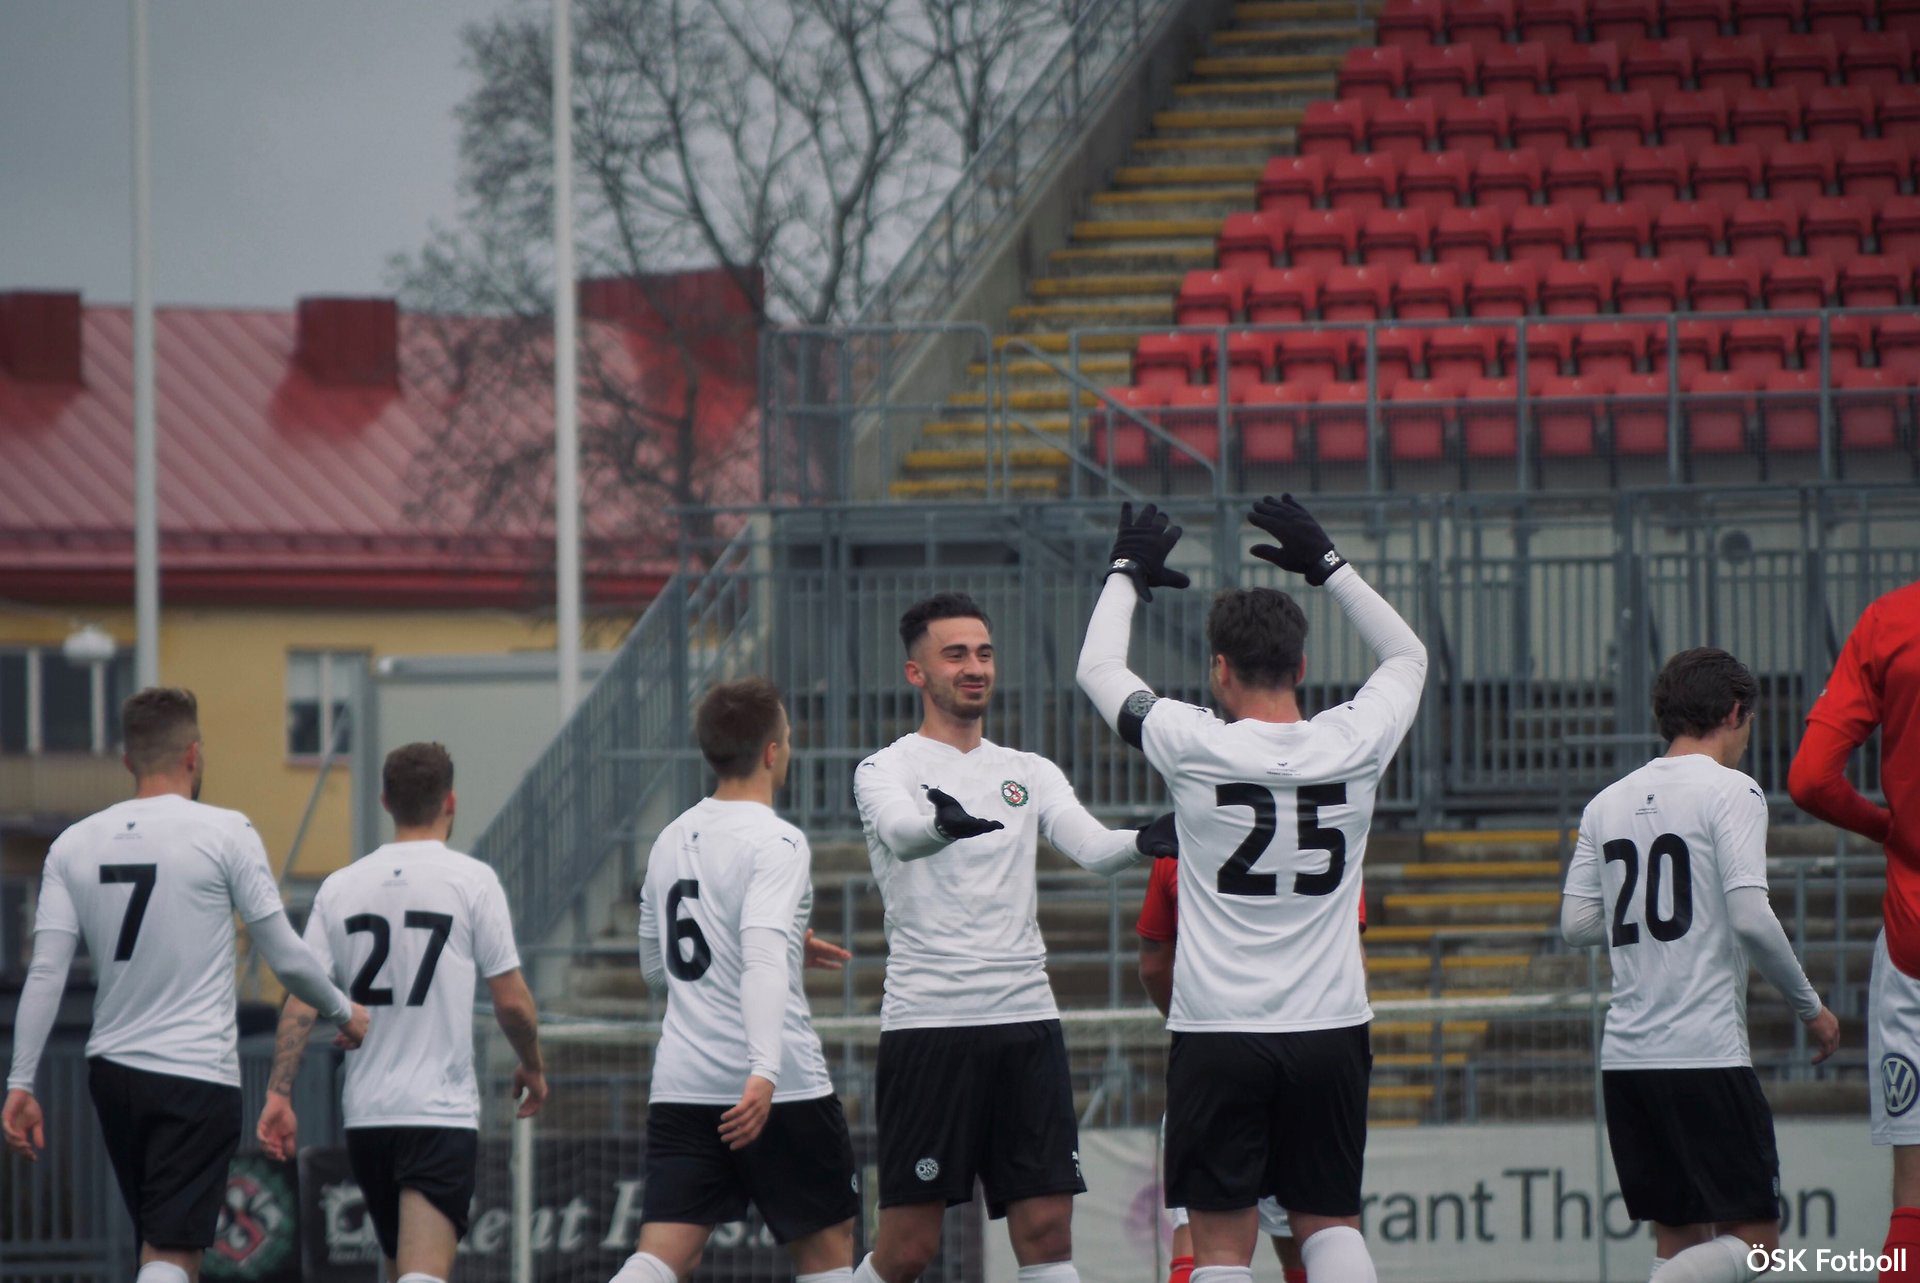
[[415, 781], [1697, 689], [942, 605], [1261, 632], [156, 725], [736, 722]]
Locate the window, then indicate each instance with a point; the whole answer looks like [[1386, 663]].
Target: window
[[320, 688], [48, 705]]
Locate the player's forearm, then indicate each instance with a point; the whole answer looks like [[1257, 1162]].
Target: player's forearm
[[1583, 921], [1378, 623], [39, 1004], [1156, 974], [1751, 915], [764, 984], [519, 1019], [290, 959], [1818, 783], [1102, 671], [906, 830], [653, 963], [290, 1044], [1090, 844]]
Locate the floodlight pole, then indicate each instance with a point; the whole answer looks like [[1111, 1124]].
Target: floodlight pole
[[146, 517], [566, 420]]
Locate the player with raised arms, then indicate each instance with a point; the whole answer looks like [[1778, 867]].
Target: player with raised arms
[[1268, 1075], [152, 884], [1670, 872], [412, 926], [971, 1079]]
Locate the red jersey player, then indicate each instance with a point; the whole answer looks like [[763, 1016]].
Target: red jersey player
[[1876, 682]]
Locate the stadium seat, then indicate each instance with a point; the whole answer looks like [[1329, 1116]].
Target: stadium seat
[[1436, 181], [1549, 347], [1695, 343], [1115, 437], [1651, 285], [1411, 24], [1363, 183], [1462, 351], [1395, 237], [1877, 169], [1875, 280], [1337, 422], [1900, 112], [1690, 227], [1323, 237], [1838, 114], [1250, 359], [1312, 357], [1848, 341], [1210, 298], [1717, 405], [1732, 63], [1250, 243], [1653, 174], [1542, 234], [1768, 18], [1901, 16], [1876, 61], [1373, 72], [1727, 174], [1803, 62], [1356, 293], [1282, 296], [1292, 184], [1545, 125], [1506, 179], [1417, 414], [1798, 283], [1442, 72], [1585, 71], [1766, 117], [1513, 72], [1471, 236], [1168, 360], [1430, 292], [1503, 289], [1867, 408], [1621, 120], [1638, 408], [1480, 23], [1724, 285], [1657, 66], [1762, 230], [1473, 125], [1789, 411], [1693, 120], [1270, 418], [1614, 233], [1579, 180], [1332, 127], [1761, 345], [1550, 20], [1566, 414], [1897, 223], [1836, 227], [1611, 347], [1897, 340], [1490, 417], [1402, 126], [1839, 17], [1696, 20], [1398, 353], [1622, 20], [1192, 418], [1799, 171], [1575, 289]]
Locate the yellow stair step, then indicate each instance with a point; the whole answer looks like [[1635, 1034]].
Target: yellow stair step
[[1272, 142], [1024, 399], [1229, 118], [1280, 64], [1414, 1028], [1401, 1091], [1174, 175], [1194, 256], [1147, 229], [1422, 934], [1169, 195], [970, 427], [1439, 869], [1425, 995], [1414, 1059], [962, 460], [1267, 35], [1492, 837], [1155, 313], [1295, 87], [1302, 10], [1471, 899], [1453, 962], [1058, 343], [1093, 286], [958, 487], [1029, 368]]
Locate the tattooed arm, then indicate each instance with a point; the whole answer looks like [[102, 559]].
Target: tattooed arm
[[278, 1129]]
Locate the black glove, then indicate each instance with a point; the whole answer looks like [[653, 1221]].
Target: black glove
[[951, 821], [1158, 839], [1140, 551], [1303, 548]]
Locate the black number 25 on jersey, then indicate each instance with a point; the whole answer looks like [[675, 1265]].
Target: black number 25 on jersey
[[1237, 876]]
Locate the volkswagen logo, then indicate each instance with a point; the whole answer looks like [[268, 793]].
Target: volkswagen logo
[[1901, 1083]]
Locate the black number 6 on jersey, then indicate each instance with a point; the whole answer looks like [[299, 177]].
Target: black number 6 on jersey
[[694, 963]]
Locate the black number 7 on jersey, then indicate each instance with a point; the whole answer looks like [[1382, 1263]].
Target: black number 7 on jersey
[[1237, 876]]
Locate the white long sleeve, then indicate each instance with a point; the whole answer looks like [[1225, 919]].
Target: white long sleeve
[[764, 984], [39, 1003], [297, 968], [1583, 920], [901, 820], [1092, 845], [653, 963], [1750, 914], [1102, 671]]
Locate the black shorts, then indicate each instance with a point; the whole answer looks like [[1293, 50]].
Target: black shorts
[[1258, 1115], [986, 1102], [799, 1173], [438, 1163], [1693, 1146], [170, 1140]]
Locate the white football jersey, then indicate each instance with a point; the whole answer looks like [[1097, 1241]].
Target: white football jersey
[[407, 930], [1273, 821], [963, 930], [152, 885], [1660, 849], [717, 870]]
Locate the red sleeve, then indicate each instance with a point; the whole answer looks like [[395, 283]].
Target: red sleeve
[[1363, 908], [1159, 913], [1850, 701], [1820, 787]]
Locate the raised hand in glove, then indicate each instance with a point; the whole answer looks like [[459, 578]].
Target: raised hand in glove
[[1140, 551], [1158, 839], [951, 821], [1303, 546]]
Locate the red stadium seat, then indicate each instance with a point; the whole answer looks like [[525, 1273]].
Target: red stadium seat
[[1900, 113], [1356, 293], [1651, 285], [1585, 71], [1692, 121], [1579, 180], [1652, 174], [1549, 349], [1411, 24], [1442, 72], [1333, 127], [1718, 404], [1314, 356], [1576, 289], [1765, 116], [1789, 411], [1503, 289], [1115, 437], [1430, 292], [1373, 71], [1462, 351], [1284, 296], [1839, 114], [1435, 181], [1168, 360], [1732, 63], [1513, 72], [1323, 237], [1875, 168], [1877, 61], [1620, 120], [1837, 227], [1395, 237], [1614, 233], [1623, 20], [1271, 416], [1542, 234], [1839, 17], [1566, 414], [1875, 280], [1337, 422], [1695, 344], [1211, 298], [1403, 126], [1481, 23], [1638, 408], [1363, 183], [1398, 351], [1490, 418], [1471, 236], [1611, 347], [1657, 66], [1867, 408], [1897, 340], [1250, 243], [1798, 283], [1727, 174], [1506, 179], [1696, 20], [1803, 62], [1473, 125], [1693, 228], [1848, 340], [1291, 184], [1768, 18], [1545, 125], [1192, 418], [1898, 224], [1761, 231], [1250, 359], [1417, 415], [1799, 171], [1550, 20], [1761, 345]]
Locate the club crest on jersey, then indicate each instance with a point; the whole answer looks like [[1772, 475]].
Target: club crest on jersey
[[927, 1168], [1901, 1083], [1014, 793]]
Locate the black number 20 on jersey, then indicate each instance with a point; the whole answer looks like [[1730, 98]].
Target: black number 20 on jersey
[[1237, 876], [1669, 850]]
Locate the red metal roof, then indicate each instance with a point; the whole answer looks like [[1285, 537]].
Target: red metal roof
[[276, 487]]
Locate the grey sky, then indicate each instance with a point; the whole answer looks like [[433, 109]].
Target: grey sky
[[296, 146]]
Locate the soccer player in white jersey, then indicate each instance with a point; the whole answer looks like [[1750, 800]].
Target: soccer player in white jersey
[[971, 1077], [1267, 1079], [153, 883], [740, 1109], [1670, 871], [412, 926]]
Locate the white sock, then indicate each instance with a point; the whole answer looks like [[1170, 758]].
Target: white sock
[[1223, 1274], [1724, 1260], [1658, 1261], [161, 1272], [1051, 1272], [415, 1276], [645, 1267], [842, 1275], [1338, 1254], [865, 1273]]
